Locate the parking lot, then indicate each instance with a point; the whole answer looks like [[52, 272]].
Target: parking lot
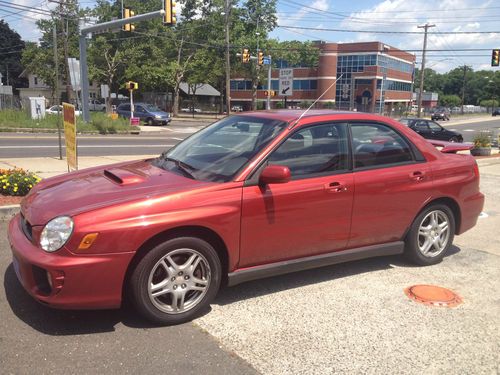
[[348, 318]]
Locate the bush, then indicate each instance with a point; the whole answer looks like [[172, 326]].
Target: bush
[[482, 140], [17, 181]]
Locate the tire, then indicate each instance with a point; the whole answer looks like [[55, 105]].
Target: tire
[[182, 292], [150, 121], [454, 139], [426, 243]]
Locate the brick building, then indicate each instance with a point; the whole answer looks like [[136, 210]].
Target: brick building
[[366, 73]]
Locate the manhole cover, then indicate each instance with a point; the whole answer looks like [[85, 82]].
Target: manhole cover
[[433, 295]]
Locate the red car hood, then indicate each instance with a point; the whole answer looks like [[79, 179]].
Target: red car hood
[[90, 189]]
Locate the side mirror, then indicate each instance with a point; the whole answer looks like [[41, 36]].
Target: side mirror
[[275, 174]]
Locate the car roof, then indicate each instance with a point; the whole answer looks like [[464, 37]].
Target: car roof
[[289, 115]]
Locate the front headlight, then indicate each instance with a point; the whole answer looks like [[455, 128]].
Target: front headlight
[[56, 233], [157, 116]]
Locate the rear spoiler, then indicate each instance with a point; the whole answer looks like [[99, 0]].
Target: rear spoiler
[[450, 147]]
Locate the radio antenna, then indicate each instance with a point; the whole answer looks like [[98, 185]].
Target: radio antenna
[[307, 110]]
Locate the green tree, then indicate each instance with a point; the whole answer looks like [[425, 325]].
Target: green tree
[[11, 47], [449, 100]]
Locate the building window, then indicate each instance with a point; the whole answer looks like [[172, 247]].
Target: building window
[[390, 85]]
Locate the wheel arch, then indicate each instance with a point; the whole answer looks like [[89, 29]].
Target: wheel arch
[[200, 232], [447, 201]]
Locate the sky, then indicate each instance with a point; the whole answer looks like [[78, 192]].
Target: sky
[[362, 21]]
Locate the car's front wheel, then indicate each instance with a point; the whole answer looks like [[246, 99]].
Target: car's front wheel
[[174, 281], [430, 235]]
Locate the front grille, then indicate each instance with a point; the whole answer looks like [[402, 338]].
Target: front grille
[[26, 228]]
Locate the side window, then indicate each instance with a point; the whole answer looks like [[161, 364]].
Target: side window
[[435, 127], [378, 145], [139, 108], [421, 125], [318, 149]]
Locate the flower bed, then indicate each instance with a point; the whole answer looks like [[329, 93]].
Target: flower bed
[[17, 182]]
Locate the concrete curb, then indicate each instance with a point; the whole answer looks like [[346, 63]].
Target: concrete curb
[[7, 212], [51, 130]]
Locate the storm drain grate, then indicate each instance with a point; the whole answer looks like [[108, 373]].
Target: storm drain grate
[[433, 295]]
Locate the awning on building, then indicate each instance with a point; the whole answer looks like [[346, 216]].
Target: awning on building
[[200, 89]]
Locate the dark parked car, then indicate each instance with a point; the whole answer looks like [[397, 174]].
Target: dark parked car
[[496, 112], [431, 130], [440, 114], [251, 196], [148, 113]]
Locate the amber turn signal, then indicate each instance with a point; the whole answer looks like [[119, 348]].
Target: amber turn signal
[[87, 241]]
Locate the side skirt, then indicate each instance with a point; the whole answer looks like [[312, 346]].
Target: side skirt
[[288, 266]]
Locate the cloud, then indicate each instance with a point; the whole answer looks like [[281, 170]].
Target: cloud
[[285, 20], [447, 15]]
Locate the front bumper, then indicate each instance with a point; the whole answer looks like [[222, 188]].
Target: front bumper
[[76, 281]]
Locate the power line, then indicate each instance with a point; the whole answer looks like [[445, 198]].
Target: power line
[[387, 32], [392, 11]]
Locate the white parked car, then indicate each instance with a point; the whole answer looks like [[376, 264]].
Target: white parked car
[[196, 110], [96, 105], [55, 109]]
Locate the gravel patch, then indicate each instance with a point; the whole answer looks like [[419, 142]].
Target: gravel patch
[[355, 318]]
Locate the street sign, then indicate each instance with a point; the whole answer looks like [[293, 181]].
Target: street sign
[[286, 82], [69, 120], [267, 61], [74, 73], [104, 91]]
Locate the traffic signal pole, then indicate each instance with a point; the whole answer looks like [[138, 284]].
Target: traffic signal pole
[[84, 32]]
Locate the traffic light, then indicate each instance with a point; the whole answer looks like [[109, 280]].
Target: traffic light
[[495, 57], [131, 85], [127, 13], [260, 58], [245, 56], [169, 17]]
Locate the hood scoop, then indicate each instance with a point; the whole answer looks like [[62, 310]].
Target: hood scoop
[[124, 176]]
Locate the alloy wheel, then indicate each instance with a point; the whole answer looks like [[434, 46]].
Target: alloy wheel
[[433, 234], [179, 281]]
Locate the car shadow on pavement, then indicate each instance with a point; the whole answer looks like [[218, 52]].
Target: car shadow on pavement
[[65, 322], [294, 280]]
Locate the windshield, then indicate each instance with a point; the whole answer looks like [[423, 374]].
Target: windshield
[[219, 151]]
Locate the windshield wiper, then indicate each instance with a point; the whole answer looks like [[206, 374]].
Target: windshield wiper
[[183, 167]]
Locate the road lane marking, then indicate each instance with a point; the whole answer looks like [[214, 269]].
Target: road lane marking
[[468, 130]]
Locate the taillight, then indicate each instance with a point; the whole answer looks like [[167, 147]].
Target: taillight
[[476, 170]]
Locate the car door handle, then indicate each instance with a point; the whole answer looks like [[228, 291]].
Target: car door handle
[[417, 176], [335, 187]]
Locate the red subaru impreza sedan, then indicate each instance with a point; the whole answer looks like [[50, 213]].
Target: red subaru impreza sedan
[[251, 196]]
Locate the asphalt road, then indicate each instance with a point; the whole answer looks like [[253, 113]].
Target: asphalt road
[[469, 130], [25, 145], [36, 339]]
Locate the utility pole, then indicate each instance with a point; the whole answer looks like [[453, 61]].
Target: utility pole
[[463, 90], [227, 11], [422, 71], [56, 87]]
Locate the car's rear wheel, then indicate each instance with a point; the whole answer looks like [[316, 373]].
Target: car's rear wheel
[[430, 235], [454, 139], [176, 280]]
